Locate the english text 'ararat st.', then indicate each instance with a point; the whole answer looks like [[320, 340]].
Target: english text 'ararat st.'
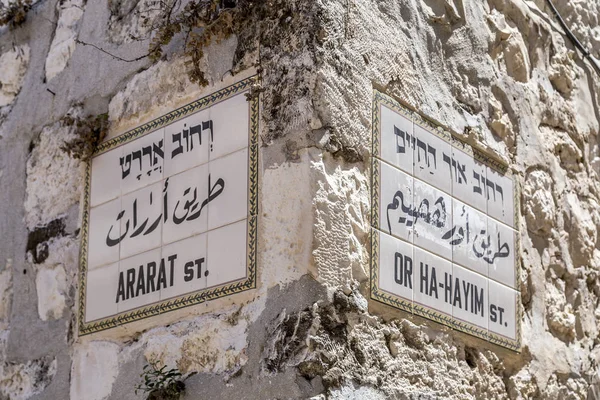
[[156, 275]]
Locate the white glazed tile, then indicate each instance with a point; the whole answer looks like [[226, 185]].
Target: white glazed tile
[[141, 278], [106, 177], [226, 254], [187, 204], [468, 181], [396, 266], [104, 223], [430, 276], [499, 190], [229, 189], [501, 255], [100, 292], [469, 296], [431, 157], [468, 224], [141, 224], [503, 306], [396, 202], [433, 219], [190, 259], [187, 143], [397, 139], [143, 161], [231, 126]]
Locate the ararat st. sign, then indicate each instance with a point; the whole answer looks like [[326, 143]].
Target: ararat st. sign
[[170, 212]]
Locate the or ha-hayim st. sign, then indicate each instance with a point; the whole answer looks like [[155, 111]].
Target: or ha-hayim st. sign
[[444, 244], [170, 213]]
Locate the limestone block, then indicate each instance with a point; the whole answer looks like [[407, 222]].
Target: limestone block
[[538, 202], [55, 180], [93, 371], [13, 64], [582, 230], [22, 381], [5, 294], [51, 285], [63, 43]]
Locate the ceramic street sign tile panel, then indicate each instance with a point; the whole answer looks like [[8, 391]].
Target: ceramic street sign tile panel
[[141, 219], [232, 117], [443, 228], [187, 142], [396, 203], [171, 218], [226, 176], [500, 197], [433, 219], [504, 315], [103, 218], [190, 263], [191, 189], [432, 159], [468, 173], [397, 139], [141, 279], [221, 253], [466, 229], [501, 253], [101, 296], [468, 292], [396, 275], [104, 186], [142, 161], [431, 276]]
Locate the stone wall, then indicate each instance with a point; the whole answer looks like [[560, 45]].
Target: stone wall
[[501, 74]]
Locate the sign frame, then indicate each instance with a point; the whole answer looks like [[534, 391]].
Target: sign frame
[[400, 303], [206, 294]]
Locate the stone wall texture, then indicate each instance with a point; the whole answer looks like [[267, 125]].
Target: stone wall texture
[[501, 74]]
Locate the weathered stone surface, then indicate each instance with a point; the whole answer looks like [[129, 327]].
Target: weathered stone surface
[[14, 64], [63, 43], [51, 285], [54, 177], [500, 74], [94, 369]]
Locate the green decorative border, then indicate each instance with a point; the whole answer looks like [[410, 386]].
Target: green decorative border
[[503, 341], [376, 293], [203, 295], [432, 314], [384, 297]]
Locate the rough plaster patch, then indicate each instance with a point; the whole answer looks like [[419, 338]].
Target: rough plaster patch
[[206, 344], [93, 371], [340, 226], [538, 202], [286, 230], [51, 285], [132, 19], [13, 65], [5, 294], [581, 229], [138, 99], [22, 381], [360, 393], [63, 44], [54, 179]]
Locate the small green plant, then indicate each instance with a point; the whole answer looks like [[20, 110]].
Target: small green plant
[[160, 383], [14, 12]]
